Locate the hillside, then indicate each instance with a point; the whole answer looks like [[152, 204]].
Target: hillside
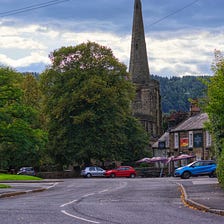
[[176, 92]]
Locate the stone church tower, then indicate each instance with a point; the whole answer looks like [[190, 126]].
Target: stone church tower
[[147, 104]]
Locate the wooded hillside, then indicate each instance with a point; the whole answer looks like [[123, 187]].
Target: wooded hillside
[[176, 92]]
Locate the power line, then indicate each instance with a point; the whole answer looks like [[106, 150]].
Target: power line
[[173, 13], [31, 7], [54, 2]]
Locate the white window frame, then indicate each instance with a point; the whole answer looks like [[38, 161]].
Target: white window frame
[[176, 140], [208, 139], [191, 139], [167, 140]]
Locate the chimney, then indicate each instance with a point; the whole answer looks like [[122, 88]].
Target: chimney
[[194, 107]]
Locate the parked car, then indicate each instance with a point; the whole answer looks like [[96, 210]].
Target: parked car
[[122, 171], [26, 171], [93, 171], [196, 168]]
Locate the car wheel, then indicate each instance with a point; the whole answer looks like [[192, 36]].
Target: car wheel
[[112, 175], [212, 174], [88, 175], [132, 175], [186, 175]]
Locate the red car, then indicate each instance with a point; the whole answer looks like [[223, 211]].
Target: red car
[[122, 171]]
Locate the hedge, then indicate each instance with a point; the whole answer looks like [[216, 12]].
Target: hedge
[[220, 169]]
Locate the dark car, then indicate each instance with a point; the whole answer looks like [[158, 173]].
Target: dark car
[[93, 171], [26, 171], [196, 168], [122, 171]]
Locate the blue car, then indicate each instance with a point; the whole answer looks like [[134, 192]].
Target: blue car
[[196, 168]]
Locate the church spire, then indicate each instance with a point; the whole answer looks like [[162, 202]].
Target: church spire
[[138, 67]]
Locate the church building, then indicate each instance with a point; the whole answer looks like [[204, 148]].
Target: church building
[[147, 104]]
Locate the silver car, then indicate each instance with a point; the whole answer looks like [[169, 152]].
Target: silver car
[[93, 171], [26, 171]]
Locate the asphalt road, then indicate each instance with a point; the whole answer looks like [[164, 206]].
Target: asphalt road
[[106, 201]]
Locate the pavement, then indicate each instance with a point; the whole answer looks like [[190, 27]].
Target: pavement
[[24, 187], [203, 194]]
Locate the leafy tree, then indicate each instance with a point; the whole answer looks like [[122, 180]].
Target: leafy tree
[[31, 91], [32, 97], [20, 142], [87, 99], [136, 141], [214, 108]]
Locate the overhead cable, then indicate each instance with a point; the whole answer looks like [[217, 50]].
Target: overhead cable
[[173, 13], [31, 7]]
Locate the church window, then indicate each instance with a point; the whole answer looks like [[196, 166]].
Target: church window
[[138, 94]]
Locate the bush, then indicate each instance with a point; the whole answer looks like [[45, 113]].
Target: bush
[[220, 169]]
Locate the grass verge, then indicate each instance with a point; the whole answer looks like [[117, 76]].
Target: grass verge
[[17, 177], [4, 186]]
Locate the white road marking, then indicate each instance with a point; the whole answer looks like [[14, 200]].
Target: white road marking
[[122, 185], [70, 202], [52, 186], [77, 217], [100, 192], [87, 195]]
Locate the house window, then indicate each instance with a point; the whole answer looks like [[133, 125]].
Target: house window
[[176, 140], [208, 139], [191, 141], [167, 141]]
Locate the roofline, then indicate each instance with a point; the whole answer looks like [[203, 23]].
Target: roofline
[[196, 129]]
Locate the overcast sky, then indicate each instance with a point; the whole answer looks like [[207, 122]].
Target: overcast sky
[[181, 36]]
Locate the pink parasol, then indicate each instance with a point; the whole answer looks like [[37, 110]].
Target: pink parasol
[[183, 156], [158, 159], [144, 160], [152, 160]]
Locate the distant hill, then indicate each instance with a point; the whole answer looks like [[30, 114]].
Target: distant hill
[[176, 92]]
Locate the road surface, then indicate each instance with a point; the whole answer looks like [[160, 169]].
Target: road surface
[[105, 201]]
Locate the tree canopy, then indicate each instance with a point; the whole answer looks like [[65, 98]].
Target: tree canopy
[[87, 98], [214, 107], [215, 100], [20, 140]]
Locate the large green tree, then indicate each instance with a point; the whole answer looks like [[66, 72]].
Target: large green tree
[[20, 140], [214, 108], [87, 99]]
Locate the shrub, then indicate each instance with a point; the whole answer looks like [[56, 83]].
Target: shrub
[[220, 169]]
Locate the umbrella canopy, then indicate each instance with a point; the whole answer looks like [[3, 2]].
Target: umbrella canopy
[[158, 159], [170, 159], [183, 156], [144, 160], [152, 160]]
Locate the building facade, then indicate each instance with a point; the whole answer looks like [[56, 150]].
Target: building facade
[[190, 137], [147, 104]]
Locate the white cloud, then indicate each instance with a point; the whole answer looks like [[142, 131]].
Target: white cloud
[[185, 53], [34, 57], [170, 53]]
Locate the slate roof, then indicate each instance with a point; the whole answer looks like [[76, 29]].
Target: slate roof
[[192, 123], [162, 138]]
